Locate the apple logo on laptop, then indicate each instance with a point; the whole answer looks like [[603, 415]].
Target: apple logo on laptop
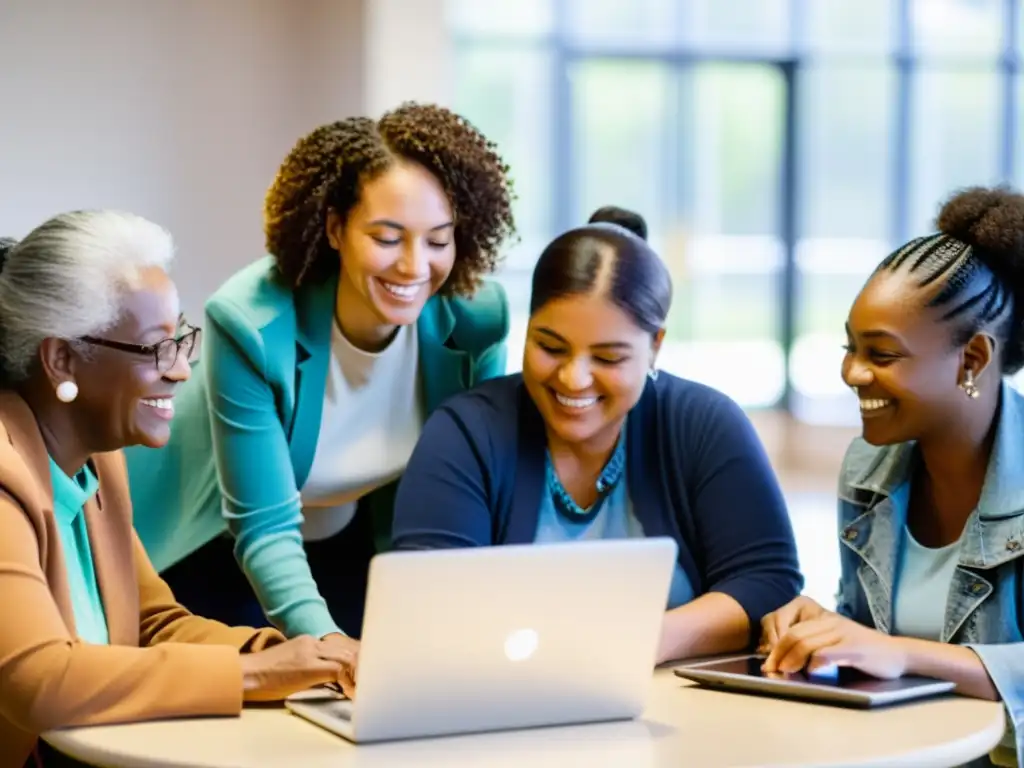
[[521, 644]]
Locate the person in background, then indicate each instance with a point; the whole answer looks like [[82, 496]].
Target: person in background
[[92, 350], [931, 497], [320, 365], [591, 441]]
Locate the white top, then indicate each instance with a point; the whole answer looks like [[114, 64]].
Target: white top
[[371, 421], [923, 588]]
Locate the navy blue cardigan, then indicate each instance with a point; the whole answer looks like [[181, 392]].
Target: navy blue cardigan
[[695, 467]]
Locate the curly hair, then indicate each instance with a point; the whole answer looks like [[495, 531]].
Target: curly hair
[[326, 169], [976, 262]]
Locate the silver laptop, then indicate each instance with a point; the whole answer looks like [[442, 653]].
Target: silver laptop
[[841, 686], [495, 638]]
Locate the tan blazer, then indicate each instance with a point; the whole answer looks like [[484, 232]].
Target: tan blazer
[[158, 650]]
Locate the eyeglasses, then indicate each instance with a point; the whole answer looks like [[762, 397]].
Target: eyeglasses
[[165, 352]]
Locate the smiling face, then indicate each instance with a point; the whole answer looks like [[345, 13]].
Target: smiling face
[[397, 249], [123, 398], [901, 362], [585, 366]]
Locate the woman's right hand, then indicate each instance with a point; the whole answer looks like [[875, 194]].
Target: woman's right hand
[[296, 665], [775, 624]]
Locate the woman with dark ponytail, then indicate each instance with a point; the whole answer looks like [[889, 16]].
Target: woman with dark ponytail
[[931, 503], [591, 441]]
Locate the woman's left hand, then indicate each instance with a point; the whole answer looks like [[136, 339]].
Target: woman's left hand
[[835, 640]]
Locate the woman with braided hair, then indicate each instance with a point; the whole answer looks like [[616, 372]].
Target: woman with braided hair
[[321, 363], [931, 498]]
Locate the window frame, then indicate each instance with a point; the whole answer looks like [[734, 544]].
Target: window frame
[[904, 58]]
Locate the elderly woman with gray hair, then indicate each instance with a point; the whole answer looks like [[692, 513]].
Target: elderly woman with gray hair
[[92, 348]]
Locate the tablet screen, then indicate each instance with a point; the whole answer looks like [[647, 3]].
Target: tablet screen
[[842, 677]]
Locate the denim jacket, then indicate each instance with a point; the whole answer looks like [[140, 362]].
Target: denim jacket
[[985, 607]]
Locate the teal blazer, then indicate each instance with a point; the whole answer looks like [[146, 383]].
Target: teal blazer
[[246, 425]]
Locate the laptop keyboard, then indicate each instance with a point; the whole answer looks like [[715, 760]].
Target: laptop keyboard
[[341, 709]]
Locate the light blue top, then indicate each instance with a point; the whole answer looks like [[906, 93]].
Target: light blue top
[[69, 498], [614, 520], [985, 599], [926, 574]]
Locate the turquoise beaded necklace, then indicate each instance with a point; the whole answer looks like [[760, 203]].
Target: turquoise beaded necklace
[[610, 477]]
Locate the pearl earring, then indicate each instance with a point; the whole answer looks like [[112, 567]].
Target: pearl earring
[[67, 391]]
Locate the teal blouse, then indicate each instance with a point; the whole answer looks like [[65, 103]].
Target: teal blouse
[[69, 497]]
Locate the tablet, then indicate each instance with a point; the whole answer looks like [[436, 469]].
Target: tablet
[[842, 686]]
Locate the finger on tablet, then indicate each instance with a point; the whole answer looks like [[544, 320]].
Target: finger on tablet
[[799, 655], [791, 652], [776, 633], [773, 626]]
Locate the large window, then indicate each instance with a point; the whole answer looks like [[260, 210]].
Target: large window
[[778, 149]]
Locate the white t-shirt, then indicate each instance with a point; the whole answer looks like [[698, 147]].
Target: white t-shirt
[[372, 418]]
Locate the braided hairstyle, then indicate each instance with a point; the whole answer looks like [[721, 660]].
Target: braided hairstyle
[[326, 169], [975, 265]]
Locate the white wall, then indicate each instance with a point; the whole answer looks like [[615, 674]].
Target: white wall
[[181, 110], [407, 54]]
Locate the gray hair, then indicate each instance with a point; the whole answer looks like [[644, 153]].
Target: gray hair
[[68, 279]]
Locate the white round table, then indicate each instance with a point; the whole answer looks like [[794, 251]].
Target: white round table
[[682, 725]]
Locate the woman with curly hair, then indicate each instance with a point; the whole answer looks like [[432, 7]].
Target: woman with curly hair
[[931, 498], [320, 365]]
